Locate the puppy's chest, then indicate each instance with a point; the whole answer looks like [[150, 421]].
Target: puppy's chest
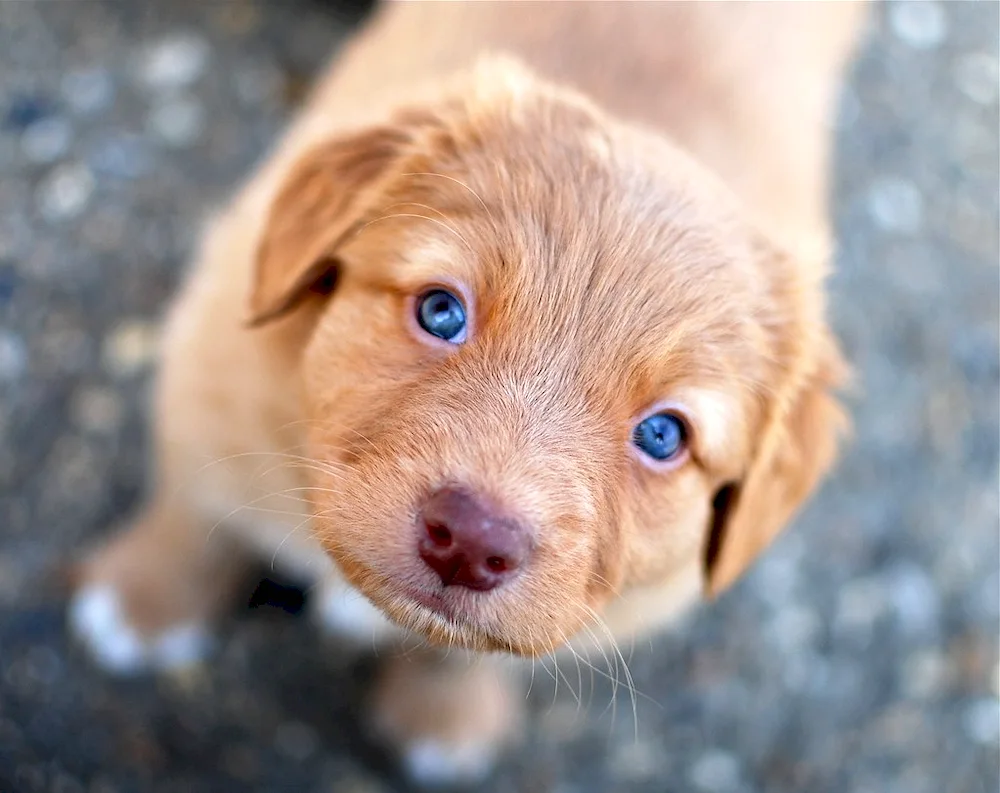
[[261, 501], [287, 547]]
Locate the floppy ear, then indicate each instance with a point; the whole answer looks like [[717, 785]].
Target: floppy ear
[[796, 449], [326, 196], [334, 188]]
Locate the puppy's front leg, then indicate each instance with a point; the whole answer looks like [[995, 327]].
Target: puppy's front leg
[[448, 717], [146, 599]]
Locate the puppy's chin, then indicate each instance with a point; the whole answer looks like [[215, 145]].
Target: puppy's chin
[[447, 619], [440, 626]]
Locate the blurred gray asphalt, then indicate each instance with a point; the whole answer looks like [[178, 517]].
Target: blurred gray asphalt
[[859, 657]]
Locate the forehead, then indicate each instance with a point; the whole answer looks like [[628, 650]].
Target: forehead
[[589, 251], [572, 236]]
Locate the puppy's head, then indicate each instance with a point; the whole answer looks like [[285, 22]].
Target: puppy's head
[[556, 364]]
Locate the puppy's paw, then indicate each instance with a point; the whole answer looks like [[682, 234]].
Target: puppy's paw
[[344, 613], [448, 720], [435, 764], [98, 619]]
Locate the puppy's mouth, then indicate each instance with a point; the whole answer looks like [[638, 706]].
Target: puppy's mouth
[[443, 617], [433, 601]]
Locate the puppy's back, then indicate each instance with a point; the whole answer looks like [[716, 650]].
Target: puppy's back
[[748, 88]]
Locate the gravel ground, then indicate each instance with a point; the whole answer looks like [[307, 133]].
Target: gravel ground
[[859, 657]]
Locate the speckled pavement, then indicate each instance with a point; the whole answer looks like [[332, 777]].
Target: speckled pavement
[[860, 656]]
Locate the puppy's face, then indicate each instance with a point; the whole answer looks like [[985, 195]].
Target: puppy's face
[[556, 365]]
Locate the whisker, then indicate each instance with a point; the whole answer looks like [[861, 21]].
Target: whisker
[[274, 556], [396, 215], [630, 682], [460, 183]]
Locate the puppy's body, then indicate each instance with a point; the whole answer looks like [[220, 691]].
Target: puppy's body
[[746, 88], [261, 434]]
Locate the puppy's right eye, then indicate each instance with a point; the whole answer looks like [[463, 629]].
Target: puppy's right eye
[[662, 436], [442, 314]]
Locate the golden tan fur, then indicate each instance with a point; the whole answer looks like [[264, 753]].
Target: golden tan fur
[[631, 200]]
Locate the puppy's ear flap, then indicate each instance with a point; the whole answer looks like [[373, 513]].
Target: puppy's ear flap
[[796, 449], [324, 198]]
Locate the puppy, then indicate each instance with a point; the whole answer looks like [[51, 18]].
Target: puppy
[[517, 339]]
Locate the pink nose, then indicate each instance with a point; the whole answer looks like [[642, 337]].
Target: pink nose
[[469, 544]]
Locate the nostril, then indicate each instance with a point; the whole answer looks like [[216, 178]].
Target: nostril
[[497, 564], [469, 543], [441, 535]]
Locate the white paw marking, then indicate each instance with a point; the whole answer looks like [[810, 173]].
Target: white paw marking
[[97, 620], [345, 612], [433, 763]]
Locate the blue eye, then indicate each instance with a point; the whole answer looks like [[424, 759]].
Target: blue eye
[[662, 436], [441, 314]]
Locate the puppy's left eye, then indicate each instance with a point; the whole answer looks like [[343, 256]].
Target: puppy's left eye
[[441, 314], [662, 436]]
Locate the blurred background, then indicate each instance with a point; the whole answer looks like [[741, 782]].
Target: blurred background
[[860, 656]]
